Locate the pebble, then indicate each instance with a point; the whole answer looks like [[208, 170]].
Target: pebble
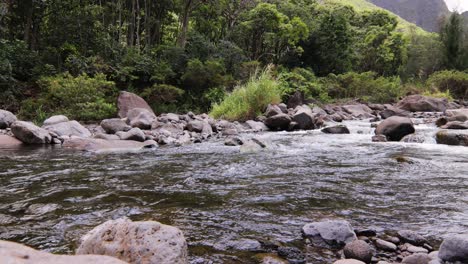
[[385, 245]]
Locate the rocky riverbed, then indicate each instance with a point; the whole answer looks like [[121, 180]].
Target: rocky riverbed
[[250, 192]]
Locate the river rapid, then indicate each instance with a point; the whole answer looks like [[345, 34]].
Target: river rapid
[[219, 197]]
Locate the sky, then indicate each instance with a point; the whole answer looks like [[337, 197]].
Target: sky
[[459, 5]]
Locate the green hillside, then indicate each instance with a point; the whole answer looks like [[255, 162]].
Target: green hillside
[[363, 5]]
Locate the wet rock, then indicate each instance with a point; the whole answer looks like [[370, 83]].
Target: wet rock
[[359, 250], [458, 113], [55, 120], [411, 237], [348, 261], [332, 233], [252, 146], [393, 111], [134, 134], [69, 129], [379, 138], [107, 146], [7, 118], [207, 131], [295, 100], [195, 126], [256, 126], [15, 253], [454, 248], [128, 101], [30, 134], [114, 125], [233, 141], [9, 142], [270, 259], [453, 138], [413, 138], [419, 103], [365, 232], [106, 136], [336, 130], [244, 244], [395, 128], [455, 125], [304, 117], [278, 122], [385, 245], [183, 140], [136, 242], [140, 118], [414, 249], [419, 258], [358, 111], [273, 110], [292, 255]]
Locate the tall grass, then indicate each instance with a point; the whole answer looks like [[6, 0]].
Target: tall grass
[[249, 100]]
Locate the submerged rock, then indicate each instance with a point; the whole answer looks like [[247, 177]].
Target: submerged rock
[[252, 146], [454, 248], [233, 141], [136, 242], [7, 118], [334, 233], [30, 134], [336, 130], [128, 101], [14, 253], [395, 128]]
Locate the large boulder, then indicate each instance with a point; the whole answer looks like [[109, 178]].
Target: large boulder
[[278, 122], [419, 103], [114, 125], [273, 110], [55, 120], [147, 242], [395, 128], [454, 248], [359, 250], [331, 233], [69, 129], [14, 253], [6, 119], [453, 138], [9, 142], [304, 117], [358, 111], [390, 111], [128, 101], [30, 134], [141, 118]]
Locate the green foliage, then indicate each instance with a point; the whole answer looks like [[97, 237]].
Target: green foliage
[[249, 100], [83, 98], [454, 36], [162, 97], [367, 86], [304, 81], [453, 82]]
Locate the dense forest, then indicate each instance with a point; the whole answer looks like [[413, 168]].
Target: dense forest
[[72, 57]]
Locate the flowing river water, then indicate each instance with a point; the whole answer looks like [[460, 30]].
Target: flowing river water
[[50, 197]]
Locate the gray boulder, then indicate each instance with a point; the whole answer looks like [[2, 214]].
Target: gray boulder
[[7, 118], [385, 245], [411, 237], [455, 248], [419, 103], [253, 145], [419, 258], [452, 138], [69, 129], [455, 125], [304, 117], [395, 128], [332, 233], [114, 125], [30, 134], [336, 130], [134, 134], [233, 141], [359, 250], [256, 126], [55, 120], [14, 253], [141, 118], [128, 101], [358, 111], [136, 242], [278, 122], [273, 110], [195, 126]]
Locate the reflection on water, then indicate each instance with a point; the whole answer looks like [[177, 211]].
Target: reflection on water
[[50, 197]]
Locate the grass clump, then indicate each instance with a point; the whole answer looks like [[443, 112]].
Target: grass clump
[[249, 100]]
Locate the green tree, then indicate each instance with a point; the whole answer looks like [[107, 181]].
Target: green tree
[[455, 41]]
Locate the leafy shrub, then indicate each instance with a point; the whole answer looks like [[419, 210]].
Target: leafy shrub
[[455, 82], [304, 81], [83, 98], [367, 86], [163, 97], [249, 100]]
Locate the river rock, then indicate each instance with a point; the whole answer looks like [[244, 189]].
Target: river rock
[[278, 122], [455, 125], [133, 134], [69, 129], [106, 136], [107, 146], [7, 142], [419, 258], [293, 255], [53, 120], [457, 113], [252, 146], [30, 134], [395, 128], [141, 118], [136, 242], [379, 138], [385, 245], [335, 233], [304, 117], [453, 138], [358, 111], [393, 111], [414, 249], [273, 110], [348, 261], [455, 248], [14, 253], [114, 125], [128, 101], [411, 237], [7, 118], [419, 103], [336, 130], [233, 141], [256, 126], [359, 250]]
